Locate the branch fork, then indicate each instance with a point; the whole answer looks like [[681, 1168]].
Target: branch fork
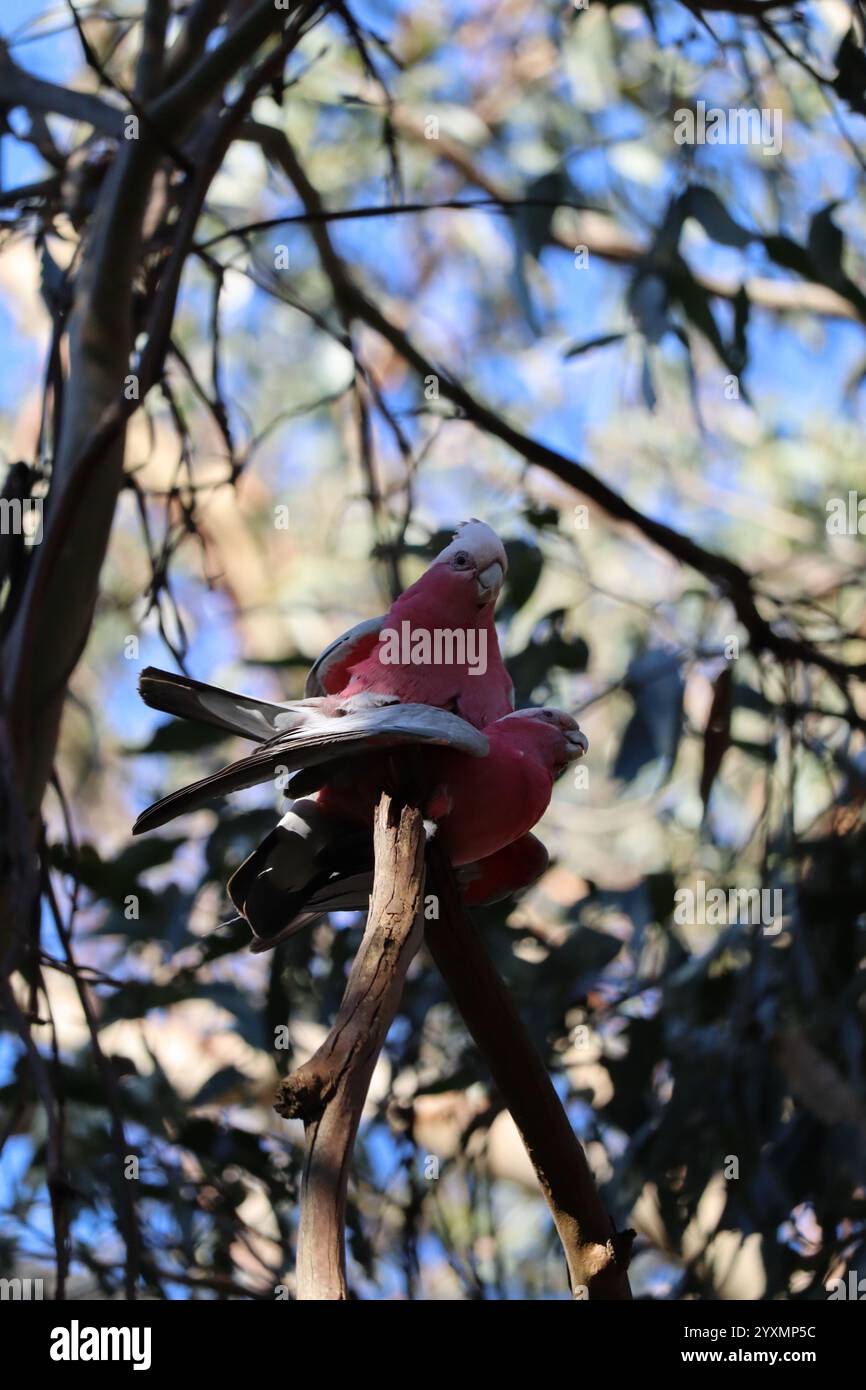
[[329, 1091]]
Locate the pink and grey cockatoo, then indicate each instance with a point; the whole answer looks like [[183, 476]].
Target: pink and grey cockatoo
[[319, 858], [364, 692], [456, 595], [385, 684]]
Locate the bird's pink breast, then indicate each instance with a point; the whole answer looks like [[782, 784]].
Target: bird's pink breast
[[495, 800], [434, 604]]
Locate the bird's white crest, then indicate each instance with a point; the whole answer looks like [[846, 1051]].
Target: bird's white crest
[[482, 543]]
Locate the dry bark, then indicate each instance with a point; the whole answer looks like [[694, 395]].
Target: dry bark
[[597, 1255], [328, 1092]]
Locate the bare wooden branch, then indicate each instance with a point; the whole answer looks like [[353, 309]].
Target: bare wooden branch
[[207, 76], [328, 1091], [201, 19], [150, 59], [597, 1255], [21, 88]]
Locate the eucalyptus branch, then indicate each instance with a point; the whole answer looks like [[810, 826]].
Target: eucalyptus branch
[[328, 1092]]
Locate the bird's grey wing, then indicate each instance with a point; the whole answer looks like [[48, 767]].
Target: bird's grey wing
[[208, 704], [318, 738]]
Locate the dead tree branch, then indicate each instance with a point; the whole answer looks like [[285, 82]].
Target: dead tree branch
[[328, 1091], [596, 1253]]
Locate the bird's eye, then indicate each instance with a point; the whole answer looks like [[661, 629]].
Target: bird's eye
[[461, 560]]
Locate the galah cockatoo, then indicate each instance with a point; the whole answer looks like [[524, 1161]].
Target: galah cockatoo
[[319, 858], [430, 674], [435, 650], [445, 613]]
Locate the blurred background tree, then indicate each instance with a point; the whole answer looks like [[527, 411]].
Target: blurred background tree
[[288, 294]]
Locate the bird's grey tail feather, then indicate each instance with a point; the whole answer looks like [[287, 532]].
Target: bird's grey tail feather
[[310, 864], [223, 709]]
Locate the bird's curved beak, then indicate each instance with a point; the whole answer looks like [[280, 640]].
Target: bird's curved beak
[[578, 744], [489, 582]]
